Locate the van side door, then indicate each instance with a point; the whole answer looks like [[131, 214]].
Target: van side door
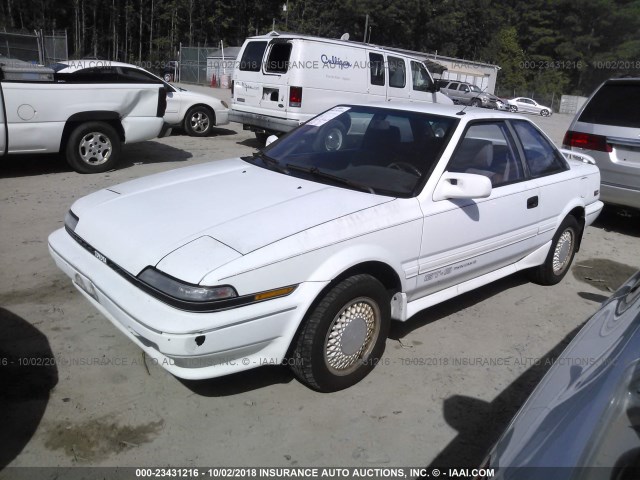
[[399, 80], [376, 77]]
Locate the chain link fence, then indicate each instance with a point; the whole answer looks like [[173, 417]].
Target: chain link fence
[[193, 64], [38, 48]]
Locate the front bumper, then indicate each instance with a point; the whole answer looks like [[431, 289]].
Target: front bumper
[[201, 345], [222, 117], [256, 121]]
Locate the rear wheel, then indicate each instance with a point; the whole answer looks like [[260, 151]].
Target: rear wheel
[[93, 147], [560, 256], [343, 337]]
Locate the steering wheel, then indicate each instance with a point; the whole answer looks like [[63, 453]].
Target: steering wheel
[[406, 167]]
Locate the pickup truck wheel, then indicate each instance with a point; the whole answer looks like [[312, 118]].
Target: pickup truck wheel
[[93, 147], [344, 335], [198, 121], [560, 256]]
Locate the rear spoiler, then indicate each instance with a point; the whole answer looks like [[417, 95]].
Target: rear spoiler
[[583, 157]]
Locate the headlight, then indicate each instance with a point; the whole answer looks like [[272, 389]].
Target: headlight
[[196, 298], [185, 291], [70, 221]]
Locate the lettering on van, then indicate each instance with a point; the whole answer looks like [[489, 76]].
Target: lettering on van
[[333, 61]]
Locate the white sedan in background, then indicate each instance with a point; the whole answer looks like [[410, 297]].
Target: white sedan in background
[[303, 252], [528, 105], [197, 113]]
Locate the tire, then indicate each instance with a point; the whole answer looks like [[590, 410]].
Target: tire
[[93, 147], [262, 137], [544, 112], [560, 256], [168, 77], [476, 103], [343, 336], [513, 108], [199, 121]]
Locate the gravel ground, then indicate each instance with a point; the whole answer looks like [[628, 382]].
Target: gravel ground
[[450, 380]]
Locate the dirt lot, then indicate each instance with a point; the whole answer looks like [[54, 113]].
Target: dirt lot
[[436, 398]]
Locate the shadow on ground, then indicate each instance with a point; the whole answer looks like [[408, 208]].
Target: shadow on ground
[[241, 382], [27, 376], [620, 220], [400, 330], [14, 166], [480, 424]]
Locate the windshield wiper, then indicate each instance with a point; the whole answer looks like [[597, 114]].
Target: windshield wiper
[[268, 161], [319, 173]]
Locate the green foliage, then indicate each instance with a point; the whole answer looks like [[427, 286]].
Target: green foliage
[[538, 44]]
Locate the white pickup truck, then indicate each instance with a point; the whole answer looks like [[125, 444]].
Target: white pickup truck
[[87, 121]]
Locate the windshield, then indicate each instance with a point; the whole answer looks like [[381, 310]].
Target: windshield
[[376, 150], [475, 89]]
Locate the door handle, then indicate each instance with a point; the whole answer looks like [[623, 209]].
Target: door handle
[[532, 202]]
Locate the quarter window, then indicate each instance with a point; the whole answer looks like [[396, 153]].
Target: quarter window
[[541, 157], [376, 65]]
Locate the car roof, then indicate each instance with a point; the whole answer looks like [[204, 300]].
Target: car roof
[[470, 113]]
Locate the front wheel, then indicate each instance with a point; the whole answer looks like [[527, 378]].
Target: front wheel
[[476, 103], [560, 256], [545, 113], [513, 108], [93, 147], [198, 121], [343, 336]]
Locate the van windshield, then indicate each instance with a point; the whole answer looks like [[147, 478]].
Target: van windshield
[[382, 151]]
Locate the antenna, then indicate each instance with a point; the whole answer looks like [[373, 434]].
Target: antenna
[[462, 112]]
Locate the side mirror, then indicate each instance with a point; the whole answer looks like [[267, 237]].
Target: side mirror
[[270, 140], [461, 185], [433, 87]]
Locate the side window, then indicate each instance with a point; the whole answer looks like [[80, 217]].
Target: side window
[[91, 75], [132, 75], [252, 56], [541, 157], [376, 65], [278, 60], [397, 72], [486, 150], [453, 86], [420, 77]]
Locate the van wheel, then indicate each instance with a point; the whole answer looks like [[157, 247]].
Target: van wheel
[[560, 256], [344, 335], [93, 147], [333, 137], [199, 121], [262, 137]]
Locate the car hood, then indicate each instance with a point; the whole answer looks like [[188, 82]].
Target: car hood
[[197, 97], [228, 208]]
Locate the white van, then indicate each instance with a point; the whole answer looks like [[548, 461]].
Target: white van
[[282, 80]]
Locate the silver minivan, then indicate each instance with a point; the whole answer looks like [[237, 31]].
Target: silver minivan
[[608, 128]]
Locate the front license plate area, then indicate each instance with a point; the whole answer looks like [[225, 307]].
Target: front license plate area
[[86, 285]]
